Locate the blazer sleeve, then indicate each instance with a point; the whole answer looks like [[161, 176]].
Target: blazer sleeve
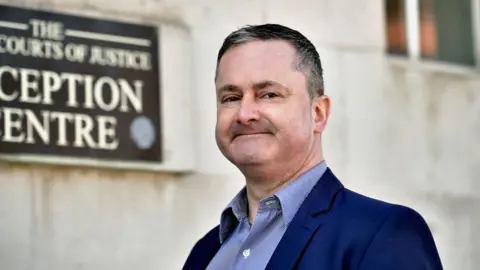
[[402, 242]]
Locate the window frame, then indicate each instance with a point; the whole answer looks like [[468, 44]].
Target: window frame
[[476, 30], [412, 25]]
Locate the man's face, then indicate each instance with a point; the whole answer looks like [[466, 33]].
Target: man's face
[[264, 113]]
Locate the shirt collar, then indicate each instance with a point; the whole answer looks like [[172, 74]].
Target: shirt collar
[[290, 199], [233, 213], [292, 196]]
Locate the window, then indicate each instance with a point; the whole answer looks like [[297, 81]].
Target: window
[[428, 30], [396, 27], [442, 30]]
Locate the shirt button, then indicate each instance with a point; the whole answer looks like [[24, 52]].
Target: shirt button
[[246, 253]]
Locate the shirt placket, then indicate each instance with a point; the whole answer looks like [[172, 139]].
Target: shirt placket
[[245, 257], [241, 259]]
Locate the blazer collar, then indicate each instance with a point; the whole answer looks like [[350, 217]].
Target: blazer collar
[[306, 222]]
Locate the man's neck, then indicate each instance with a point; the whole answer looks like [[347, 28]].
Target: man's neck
[[262, 186]]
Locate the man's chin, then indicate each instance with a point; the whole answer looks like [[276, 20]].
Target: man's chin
[[241, 154], [249, 159]]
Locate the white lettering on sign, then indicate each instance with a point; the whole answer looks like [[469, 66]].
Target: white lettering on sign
[[39, 46], [40, 87], [23, 125], [124, 96], [120, 58], [47, 29]]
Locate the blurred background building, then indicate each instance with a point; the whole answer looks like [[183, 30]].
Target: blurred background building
[[405, 127]]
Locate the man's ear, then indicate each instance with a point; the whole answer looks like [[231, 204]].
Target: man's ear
[[320, 113]]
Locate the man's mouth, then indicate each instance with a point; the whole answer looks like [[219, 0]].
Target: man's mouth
[[251, 134]]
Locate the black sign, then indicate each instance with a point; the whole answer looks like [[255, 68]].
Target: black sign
[[78, 87]]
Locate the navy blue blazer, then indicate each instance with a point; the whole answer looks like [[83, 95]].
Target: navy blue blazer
[[336, 228]]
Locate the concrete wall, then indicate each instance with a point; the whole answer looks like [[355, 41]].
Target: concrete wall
[[400, 131], [72, 218]]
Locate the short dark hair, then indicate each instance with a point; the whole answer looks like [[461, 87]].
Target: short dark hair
[[308, 60]]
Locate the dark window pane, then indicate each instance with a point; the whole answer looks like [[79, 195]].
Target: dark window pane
[[396, 27], [446, 31], [428, 31]]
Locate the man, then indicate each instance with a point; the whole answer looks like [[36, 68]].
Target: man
[[294, 213]]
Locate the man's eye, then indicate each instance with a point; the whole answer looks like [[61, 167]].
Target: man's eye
[[269, 95], [230, 99]]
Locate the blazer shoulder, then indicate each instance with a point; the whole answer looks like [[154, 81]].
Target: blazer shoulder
[[367, 210], [397, 236], [377, 227]]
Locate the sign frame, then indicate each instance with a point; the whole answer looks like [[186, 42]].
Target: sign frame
[[176, 149]]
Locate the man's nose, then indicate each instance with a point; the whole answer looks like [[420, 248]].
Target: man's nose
[[248, 111]]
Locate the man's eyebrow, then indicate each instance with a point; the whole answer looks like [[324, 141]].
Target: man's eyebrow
[[228, 88], [256, 86], [267, 83]]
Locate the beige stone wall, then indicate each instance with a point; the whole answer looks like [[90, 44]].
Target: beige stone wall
[[77, 218]]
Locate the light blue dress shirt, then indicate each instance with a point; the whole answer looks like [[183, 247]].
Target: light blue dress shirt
[[250, 247]]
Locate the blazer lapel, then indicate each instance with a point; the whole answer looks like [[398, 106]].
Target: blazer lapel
[[305, 223], [204, 251]]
